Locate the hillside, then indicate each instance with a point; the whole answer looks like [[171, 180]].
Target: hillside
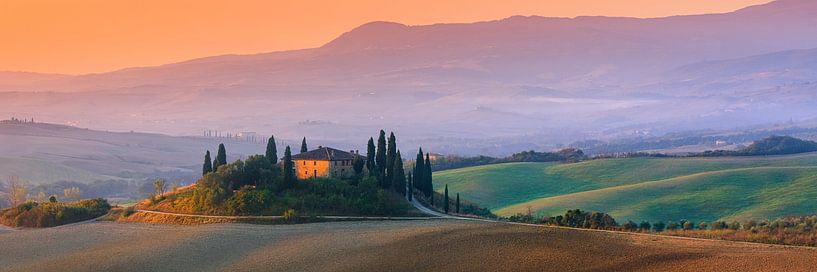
[[776, 186], [510, 78], [49, 157]]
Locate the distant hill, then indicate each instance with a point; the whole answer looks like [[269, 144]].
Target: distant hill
[[774, 145], [780, 75], [50, 157], [780, 145], [653, 189], [560, 79]]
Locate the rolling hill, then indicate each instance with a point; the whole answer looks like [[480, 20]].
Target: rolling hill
[[646, 188], [49, 157]]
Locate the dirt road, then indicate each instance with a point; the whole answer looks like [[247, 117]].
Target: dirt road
[[376, 246]]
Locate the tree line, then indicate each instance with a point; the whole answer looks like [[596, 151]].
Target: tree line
[[567, 155]]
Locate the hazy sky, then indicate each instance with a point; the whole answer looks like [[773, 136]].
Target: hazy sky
[[84, 36]]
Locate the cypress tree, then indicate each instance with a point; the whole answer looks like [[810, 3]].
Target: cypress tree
[[303, 146], [391, 156], [458, 201], [370, 153], [288, 172], [272, 151], [380, 158], [410, 187], [221, 157], [419, 168], [445, 201], [427, 172], [399, 181], [208, 164], [358, 164]]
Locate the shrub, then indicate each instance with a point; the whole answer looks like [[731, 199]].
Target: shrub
[[719, 225], [644, 226], [735, 225], [630, 226], [702, 226], [658, 227], [688, 225], [289, 215], [249, 201], [48, 214], [672, 225]]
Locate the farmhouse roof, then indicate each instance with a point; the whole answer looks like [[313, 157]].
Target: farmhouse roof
[[325, 154]]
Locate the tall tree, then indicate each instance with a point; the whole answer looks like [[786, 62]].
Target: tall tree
[[159, 187], [445, 201], [391, 156], [221, 157], [458, 201], [419, 168], [303, 146], [370, 154], [208, 164], [399, 176], [429, 186], [380, 158], [410, 192], [288, 171], [272, 151], [357, 164], [16, 191]]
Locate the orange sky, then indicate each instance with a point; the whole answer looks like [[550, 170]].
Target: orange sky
[[84, 36]]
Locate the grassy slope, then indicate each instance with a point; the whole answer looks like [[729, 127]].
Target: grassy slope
[[603, 185], [43, 172]]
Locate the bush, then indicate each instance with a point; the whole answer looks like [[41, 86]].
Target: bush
[[658, 227], [49, 214], [688, 225], [672, 226], [289, 215], [702, 226], [644, 226], [630, 226], [719, 225], [249, 201]]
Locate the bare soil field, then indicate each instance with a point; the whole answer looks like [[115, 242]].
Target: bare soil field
[[423, 245]]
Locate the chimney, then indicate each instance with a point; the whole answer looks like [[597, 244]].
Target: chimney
[[319, 147]]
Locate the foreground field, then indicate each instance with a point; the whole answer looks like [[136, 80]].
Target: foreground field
[[646, 188], [436, 244]]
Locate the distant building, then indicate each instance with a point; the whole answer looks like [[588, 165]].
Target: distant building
[[721, 143], [435, 156], [325, 162]]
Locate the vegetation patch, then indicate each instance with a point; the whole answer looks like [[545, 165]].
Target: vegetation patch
[[799, 231], [50, 214]]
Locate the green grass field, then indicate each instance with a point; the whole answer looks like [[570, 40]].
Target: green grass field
[[646, 188]]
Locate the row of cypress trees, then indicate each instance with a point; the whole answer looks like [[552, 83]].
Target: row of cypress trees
[[385, 162], [271, 155], [287, 165], [212, 165], [422, 180], [447, 199]]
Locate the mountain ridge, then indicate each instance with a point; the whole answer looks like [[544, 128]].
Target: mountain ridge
[[607, 74]]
